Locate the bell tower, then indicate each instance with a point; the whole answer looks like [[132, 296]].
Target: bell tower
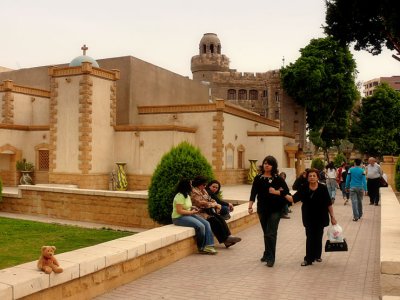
[[210, 59]]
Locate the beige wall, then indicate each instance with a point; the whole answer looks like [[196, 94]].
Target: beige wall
[[67, 152], [30, 110], [142, 83]]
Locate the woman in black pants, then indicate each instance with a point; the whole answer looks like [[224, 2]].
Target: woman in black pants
[[315, 211]]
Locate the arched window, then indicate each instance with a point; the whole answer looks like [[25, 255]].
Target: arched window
[[253, 95], [219, 49], [212, 48], [204, 49], [242, 95], [240, 157], [231, 94]]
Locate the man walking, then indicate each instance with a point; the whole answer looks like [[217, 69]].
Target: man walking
[[356, 182], [374, 172]]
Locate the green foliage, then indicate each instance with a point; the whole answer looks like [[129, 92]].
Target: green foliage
[[183, 161], [323, 81], [370, 25], [317, 163], [23, 165], [397, 175], [376, 126], [339, 159], [21, 240]]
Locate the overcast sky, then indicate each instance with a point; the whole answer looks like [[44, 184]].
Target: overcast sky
[[254, 34]]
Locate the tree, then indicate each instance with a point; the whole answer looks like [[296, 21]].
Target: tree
[[323, 81], [370, 24], [183, 161], [376, 126], [397, 175]]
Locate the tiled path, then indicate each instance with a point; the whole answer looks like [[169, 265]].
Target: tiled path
[[237, 273]]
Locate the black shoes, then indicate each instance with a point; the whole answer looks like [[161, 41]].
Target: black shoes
[[263, 259], [306, 263], [270, 264]]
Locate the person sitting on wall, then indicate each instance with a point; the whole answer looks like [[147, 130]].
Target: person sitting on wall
[[213, 189], [184, 214], [209, 210]]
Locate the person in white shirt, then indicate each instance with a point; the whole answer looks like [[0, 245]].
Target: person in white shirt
[[374, 173], [331, 180]]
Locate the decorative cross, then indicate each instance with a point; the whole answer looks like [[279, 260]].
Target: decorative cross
[[84, 48]]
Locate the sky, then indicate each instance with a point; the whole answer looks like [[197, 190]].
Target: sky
[[255, 34]]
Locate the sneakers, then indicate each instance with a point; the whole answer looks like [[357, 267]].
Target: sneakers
[[208, 250]]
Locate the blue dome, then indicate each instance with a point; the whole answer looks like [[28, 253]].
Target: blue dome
[[77, 61]]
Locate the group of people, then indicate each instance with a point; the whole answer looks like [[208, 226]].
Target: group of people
[[197, 204]]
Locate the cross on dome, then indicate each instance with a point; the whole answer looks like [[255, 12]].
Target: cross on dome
[[84, 48]]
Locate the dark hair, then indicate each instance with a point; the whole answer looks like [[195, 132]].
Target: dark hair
[[357, 161], [282, 175], [272, 162], [330, 165], [199, 180], [184, 187], [212, 182], [312, 170]]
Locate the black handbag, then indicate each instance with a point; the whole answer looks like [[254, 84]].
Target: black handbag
[[336, 246], [382, 182]]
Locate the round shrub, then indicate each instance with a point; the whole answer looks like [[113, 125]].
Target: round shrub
[[318, 164], [182, 161], [339, 159]]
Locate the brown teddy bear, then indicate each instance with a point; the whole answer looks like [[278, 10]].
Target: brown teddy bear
[[47, 262]]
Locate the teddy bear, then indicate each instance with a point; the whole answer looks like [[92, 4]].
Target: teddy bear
[[47, 262]]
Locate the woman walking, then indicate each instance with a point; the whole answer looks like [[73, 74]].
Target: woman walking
[[315, 211], [272, 194]]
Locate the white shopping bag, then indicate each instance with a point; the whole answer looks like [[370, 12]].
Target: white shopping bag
[[335, 233]]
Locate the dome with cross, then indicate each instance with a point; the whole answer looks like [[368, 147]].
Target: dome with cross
[[77, 61]]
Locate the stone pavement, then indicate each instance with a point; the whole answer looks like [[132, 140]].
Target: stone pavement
[[237, 273]]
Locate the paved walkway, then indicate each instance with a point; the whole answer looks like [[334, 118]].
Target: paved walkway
[[237, 273]]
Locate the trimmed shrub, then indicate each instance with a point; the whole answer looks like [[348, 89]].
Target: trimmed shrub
[[339, 159], [397, 175], [318, 164], [183, 161]]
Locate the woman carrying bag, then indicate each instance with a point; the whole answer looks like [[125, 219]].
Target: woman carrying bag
[[315, 210]]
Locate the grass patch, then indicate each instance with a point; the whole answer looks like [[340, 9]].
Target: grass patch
[[21, 241]]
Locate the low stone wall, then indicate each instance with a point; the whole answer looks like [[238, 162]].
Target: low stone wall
[[92, 271], [390, 243], [128, 209]]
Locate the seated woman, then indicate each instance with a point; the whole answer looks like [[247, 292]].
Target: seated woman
[[183, 214], [209, 210], [213, 188]]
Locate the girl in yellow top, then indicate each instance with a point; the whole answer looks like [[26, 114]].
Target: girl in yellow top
[[183, 214]]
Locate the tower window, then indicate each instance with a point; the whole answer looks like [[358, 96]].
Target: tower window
[[231, 94], [253, 95], [204, 49], [242, 94], [276, 96], [219, 49], [212, 48]]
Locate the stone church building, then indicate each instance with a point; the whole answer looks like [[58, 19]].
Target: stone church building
[[74, 121]]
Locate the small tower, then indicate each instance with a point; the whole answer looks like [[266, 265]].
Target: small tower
[[210, 59]]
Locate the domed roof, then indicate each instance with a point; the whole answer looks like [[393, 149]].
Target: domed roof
[[210, 38], [77, 61]]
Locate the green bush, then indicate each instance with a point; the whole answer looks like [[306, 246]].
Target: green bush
[[183, 161], [318, 164], [397, 175], [339, 159]]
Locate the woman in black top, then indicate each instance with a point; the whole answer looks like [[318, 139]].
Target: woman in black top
[[272, 194], [315, 211]]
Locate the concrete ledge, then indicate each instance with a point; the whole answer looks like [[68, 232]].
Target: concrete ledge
[[390, 243], [94, 270]]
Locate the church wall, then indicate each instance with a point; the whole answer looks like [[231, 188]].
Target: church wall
[[67, 152], [33, 77], [102, 149], [235, 133], [142, 83], [30, 110]]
